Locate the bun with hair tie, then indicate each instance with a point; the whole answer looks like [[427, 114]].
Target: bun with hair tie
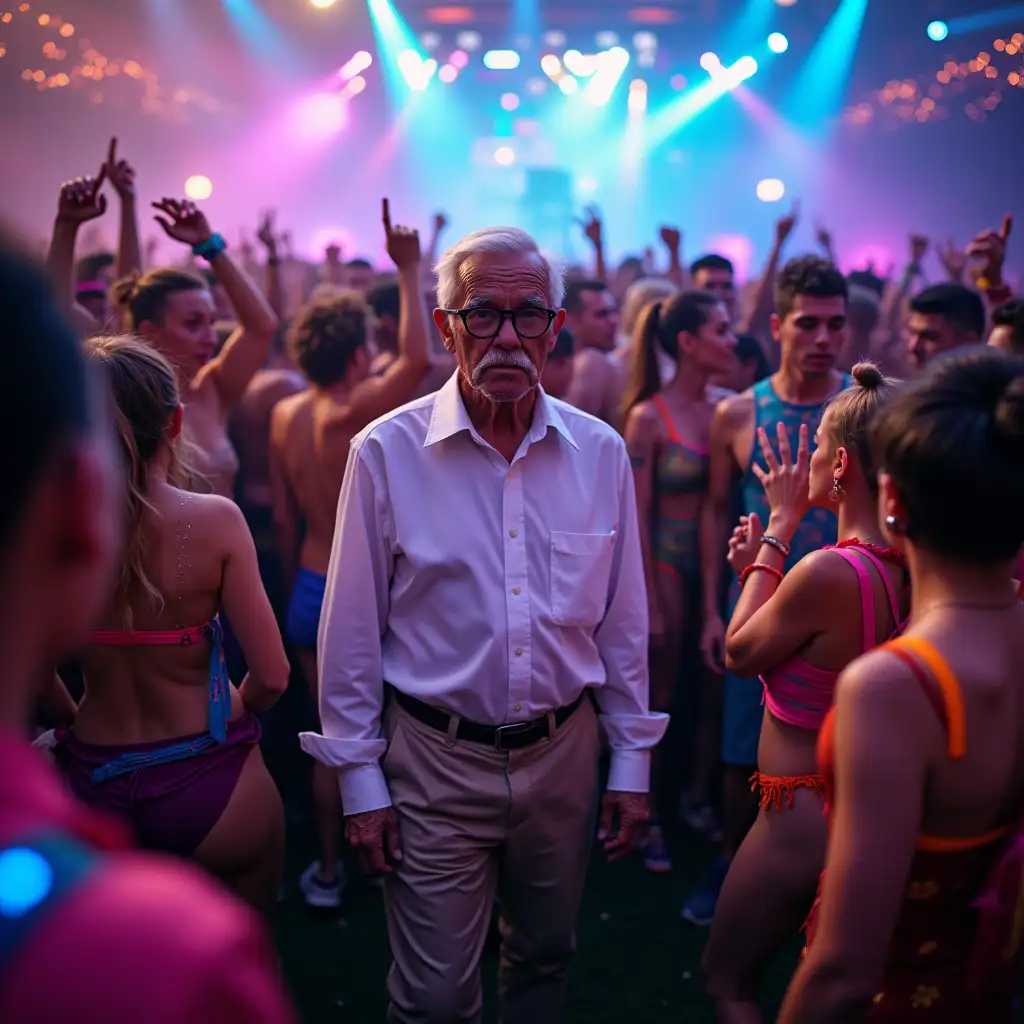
[[124, 289], [868, 376]]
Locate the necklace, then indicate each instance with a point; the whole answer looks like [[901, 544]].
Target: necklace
[[890, 554]]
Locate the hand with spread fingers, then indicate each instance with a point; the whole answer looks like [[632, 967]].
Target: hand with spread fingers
[[786, 482], [183, 221]]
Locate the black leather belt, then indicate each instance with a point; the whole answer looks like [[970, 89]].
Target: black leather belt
[[502, 737]]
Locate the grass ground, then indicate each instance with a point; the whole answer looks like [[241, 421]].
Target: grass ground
[[637, 963]]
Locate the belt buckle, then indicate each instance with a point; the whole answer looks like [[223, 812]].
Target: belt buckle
[[512, 729]]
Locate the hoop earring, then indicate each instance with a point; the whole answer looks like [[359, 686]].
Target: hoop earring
[[837, 489], [893, 525]]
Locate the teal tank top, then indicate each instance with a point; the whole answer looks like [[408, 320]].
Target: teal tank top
[[819, 526]]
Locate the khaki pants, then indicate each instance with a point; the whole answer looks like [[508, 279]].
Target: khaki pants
[[475, 822]]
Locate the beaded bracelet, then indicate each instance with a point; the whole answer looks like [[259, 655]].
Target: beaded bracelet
[[773, 542], [763, 568]]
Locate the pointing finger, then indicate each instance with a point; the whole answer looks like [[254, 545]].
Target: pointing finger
[[385, 210], [1007, 228], [112, 153]]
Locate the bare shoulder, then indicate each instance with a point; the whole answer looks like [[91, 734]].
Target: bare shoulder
[[828, 576], [879, 685], [212, 515], [643, 421], [716, 395]]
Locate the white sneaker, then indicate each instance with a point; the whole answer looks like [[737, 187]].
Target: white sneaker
[[321, 894]]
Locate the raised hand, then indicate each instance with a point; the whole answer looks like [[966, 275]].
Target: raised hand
[[787, 481], [183, 222], [990, 247], [784, 225], [266, 231], [591, 226], [954, 260], [81, 200], [745, 543], [440, 222], [671, 238], [403, 243], [824, 237], [918, 249], [121, 173]]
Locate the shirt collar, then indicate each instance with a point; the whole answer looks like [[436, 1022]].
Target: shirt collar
[[449, 417]]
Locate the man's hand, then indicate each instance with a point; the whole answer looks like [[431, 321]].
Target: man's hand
[[81, 199], [784, 225], [440, 222], [671, 238], [403, 243], [369, 834], [121, 174], [990, 247], [633, 811], [266, 233], [954, 260], [592, 226], [918, 249], [187, 223], [712, 643]]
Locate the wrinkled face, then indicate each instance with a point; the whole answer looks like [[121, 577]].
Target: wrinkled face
[[504, 368], [359, 279], [557, 376], [185, 334], [596, 323], [720, 282], [826, 464], [930, 335], [710, 350], [812, 334]]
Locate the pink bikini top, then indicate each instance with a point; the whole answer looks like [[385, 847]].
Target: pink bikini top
[[800, 694], [153, 637]]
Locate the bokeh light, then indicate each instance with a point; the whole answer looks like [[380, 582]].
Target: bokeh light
[[770, 190], [356, 85], [785, 3], [448, 74], [504, 155], [357, 63], [937, 31], [778, 43], [468, 41], [550, 65], [509, 101], [586, 185], [459, 59], [710, 62], [198, 187], [501, 60], [568, 85], [322, 5], [678, 82]]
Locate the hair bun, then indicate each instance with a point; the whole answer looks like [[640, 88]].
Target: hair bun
[[124, 289], [1009, 412], [868, 376]]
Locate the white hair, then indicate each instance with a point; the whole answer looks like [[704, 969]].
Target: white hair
[[491, 240]]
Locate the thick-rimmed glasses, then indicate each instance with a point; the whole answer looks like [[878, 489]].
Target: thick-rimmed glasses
[[486, 321]]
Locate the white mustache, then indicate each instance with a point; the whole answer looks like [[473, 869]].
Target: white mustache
[[498, 357]]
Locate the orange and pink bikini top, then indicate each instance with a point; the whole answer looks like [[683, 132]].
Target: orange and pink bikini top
[[683, 466], [800, 694]]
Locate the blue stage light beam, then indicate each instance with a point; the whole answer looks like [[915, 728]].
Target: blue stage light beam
[[818, 91], [985, 19], [259, 32], [404, 64]]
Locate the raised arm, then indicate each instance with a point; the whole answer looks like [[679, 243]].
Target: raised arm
[[756, 320], [672, 238], [884, 728], [593, 229], [715, 522], [641, 435], [275, 289], [122, 177], [376, 396], [80, 201], [247, 349]]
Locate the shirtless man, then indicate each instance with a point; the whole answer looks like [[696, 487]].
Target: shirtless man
[[810, 326], [593, 321], [309, 445]]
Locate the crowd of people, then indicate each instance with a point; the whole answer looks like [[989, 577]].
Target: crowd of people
[[750, 556]]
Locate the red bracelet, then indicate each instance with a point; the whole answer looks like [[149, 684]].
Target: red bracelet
[[764, 568]]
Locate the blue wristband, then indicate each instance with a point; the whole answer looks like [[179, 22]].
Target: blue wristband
[[211, 248]]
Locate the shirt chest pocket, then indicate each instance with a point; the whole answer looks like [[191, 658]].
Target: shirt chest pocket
[[581, 568]]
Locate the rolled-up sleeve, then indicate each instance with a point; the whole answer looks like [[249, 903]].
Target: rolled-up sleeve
[[622, 638], [352, 621]]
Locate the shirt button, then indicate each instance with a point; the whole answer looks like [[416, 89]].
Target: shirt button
[[518, 707], [513, 532], [519, 652], [515, 590]]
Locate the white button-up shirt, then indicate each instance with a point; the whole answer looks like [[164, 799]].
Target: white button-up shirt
[[494, 591]]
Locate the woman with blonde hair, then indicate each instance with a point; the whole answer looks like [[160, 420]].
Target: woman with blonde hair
[[174, 311], [162, 737], [797, 632]]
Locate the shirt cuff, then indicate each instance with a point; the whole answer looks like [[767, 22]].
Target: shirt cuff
[[629, 771], [363, 789]]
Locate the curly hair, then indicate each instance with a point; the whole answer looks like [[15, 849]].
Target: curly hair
[[326, 334], [807, 275]]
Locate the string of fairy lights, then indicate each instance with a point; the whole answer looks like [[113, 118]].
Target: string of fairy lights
[[71, 61], [975, 86]]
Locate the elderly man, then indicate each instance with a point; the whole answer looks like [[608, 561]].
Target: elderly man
[[485, 594]]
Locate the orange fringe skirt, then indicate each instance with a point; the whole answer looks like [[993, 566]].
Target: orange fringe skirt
[[775, 788]]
